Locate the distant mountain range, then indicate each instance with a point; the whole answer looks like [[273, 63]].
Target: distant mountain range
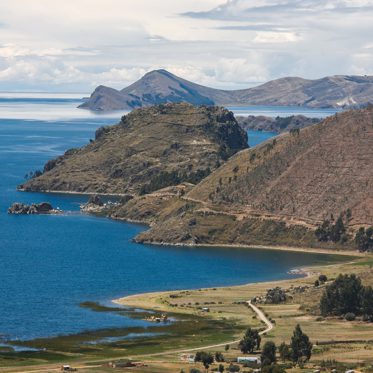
[[160, 86]]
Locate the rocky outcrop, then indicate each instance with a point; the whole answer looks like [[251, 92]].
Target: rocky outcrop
[[35, 208], [160, 86], [150, 149]]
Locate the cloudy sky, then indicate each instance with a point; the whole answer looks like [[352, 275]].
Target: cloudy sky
[[75, 45]]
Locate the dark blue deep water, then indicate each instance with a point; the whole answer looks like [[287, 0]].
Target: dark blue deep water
[[50, 264]]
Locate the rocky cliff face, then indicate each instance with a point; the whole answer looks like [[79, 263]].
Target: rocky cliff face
[[160, 86], [148, 150]]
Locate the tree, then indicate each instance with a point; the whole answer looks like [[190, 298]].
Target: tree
[[342, 296], [337, 230], [219, 357], [250, 341], [322, 279], [226, 348], [284, 351], [364, 240], [268, 355], [367, 303], [205, 358], [221, 368], [323, 231], [301, 347]]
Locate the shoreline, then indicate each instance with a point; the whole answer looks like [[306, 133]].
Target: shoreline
[[72, 193], [347, 252], [311, 250], [304, 272]]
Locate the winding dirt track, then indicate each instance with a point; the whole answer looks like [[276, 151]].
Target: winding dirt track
[[259, 313]]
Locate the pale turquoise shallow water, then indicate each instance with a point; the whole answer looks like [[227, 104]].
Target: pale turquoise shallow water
[[50, 264]]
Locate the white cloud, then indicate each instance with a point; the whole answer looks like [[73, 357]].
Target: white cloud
[[70, 45], [275, 37]]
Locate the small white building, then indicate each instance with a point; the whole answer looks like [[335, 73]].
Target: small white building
[[248, 360], [188, 358]]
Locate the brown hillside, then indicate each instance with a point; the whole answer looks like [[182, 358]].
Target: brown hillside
[[308, 175], [149, 149]]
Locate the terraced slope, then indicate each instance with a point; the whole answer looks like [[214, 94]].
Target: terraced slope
[[277, 193], [321, 170]]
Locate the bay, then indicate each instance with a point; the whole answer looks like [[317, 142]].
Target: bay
[[50, 264]]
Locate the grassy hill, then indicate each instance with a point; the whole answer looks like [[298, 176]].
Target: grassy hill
[[149, 149], [308, 175], [279, 192]]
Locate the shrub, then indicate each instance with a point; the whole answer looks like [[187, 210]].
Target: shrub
[[273, 369], [194, 370], [233, 368], [350, 316], [323, 278]]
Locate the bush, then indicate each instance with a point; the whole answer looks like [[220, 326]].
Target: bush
[[350, 316], [273, 369], [322, 279], [233, 368], [219, 357], [194, 370]]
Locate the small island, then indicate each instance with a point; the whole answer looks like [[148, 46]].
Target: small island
[[19, 208]]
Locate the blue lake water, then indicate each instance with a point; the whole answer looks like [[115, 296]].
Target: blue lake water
[[50, 264]]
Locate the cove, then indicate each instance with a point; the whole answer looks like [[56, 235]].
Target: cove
[[51, 264]]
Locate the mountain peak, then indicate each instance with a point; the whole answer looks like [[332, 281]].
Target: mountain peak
[[160, 86]]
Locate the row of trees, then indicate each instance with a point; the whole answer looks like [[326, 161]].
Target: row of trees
[[347, 296], [364, 239], [329, 231], [299, 350]]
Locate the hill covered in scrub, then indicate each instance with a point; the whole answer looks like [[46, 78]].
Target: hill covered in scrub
[[308, 174], [149, 149], [278, 124], [160, 86], [279, 192]]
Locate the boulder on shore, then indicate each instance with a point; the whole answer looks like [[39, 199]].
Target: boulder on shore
[[36, 208]]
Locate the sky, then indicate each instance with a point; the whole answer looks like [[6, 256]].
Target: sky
[[75, 45]]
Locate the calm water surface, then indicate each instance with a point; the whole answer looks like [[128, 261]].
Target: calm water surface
[[50, 264]]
